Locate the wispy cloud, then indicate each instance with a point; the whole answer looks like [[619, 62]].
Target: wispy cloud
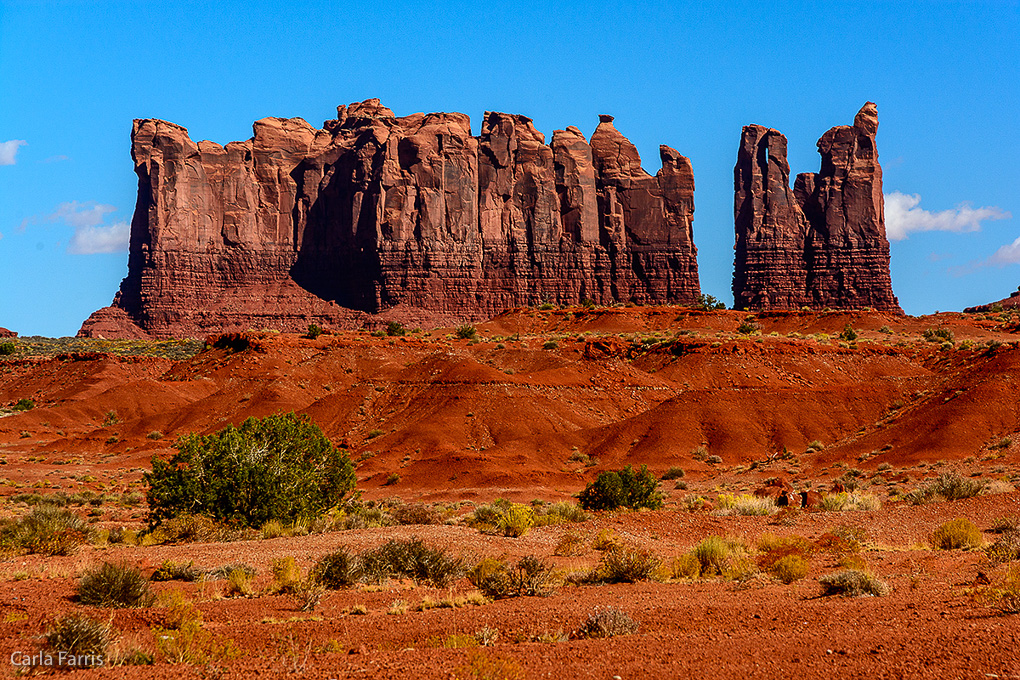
[[904, 215], [1007, 254], [9, 150], [100, 239], [56, 159], [90, 236]]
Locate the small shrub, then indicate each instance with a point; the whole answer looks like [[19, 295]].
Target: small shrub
[[114, 585], [286, 575], [939, 335], [719, 556], [23, 405], [850, 502], [955, 534], [947, 486], [188, 529], [1006, 548], [395, 328], [498, 580], [686, 566], [516, 521], [570, 544], [852, 583], [154, 435], [239, 583], [412, 559], [561, 511], [626, 565], [673, 472], [747, 328], [391, 479], [745, 504], [607, 622], [708, 302], [175, 571], [848, 334], [314, 331], [415, 513], [626, 488], [550, 344], [76, 635], [224, 572], [277, 467], [606, 539], [7, 348], [790, 568], [466, 332], [699, 453], [714, 460], [773, 549], [337, 569], [1004, 525], [886, 330], [1003, 594], [47, 530]]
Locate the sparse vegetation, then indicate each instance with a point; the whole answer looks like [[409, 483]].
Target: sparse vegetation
[[947, 486], [708, 302], [410, 558], [277, 467], [114, 585], [395, 329], [466, 332], [848, 334], [516, 520], [955, 534], [47, 530], [853, 583], [673, 472], [625, 565], [530, 576], [607, 622], [338, 569], [314, 331], [625, 488], [79, 636], [7, 348], [744, 504]]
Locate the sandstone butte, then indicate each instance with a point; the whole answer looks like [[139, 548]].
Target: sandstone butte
[[821, 244], [408, 216]]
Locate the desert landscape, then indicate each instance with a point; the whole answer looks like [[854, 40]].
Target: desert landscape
[[873, 414]]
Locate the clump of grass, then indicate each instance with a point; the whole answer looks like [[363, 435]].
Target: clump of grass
[[850, 502], [625, 565], [176, 571], [516, 521], [745, 504], [784, 557], [1004, 525], [1006, 548], [1003, 594], [853, 583], [338, 569], [77, 635], [155, 435], [550, 344], [466, 332], [47, 530], [412, 559], [190, 529], [790, 568], [239, 583], [720, 556], [114, 585], [415, 513], [955, 534], [561, 512], [947, 486], [530, 576], [570, 544], [673, 472], [286, 575], [607, 622]]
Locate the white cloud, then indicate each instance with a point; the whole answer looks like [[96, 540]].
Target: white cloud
[[80, 215], [903, 215], [92, 239], [1008, 254], [9, 149]]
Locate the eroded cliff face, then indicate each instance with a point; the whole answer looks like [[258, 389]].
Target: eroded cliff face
[[821, 244], [411, 215]]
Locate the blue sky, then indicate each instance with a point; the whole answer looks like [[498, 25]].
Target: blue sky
[[945, 75]]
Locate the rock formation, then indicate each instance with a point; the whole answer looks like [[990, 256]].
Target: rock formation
[[4, 333], [1012, 302], [821, 244], [407, 216]]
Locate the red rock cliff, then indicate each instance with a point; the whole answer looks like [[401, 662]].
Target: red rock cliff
[[375, 213], [822, 244]]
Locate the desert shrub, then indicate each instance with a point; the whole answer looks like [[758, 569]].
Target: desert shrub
[[530, 576], [1006, 548], [410, 558], [335, 570], [685, 566], [77, 635], [790, 568], [955, 534], [673, 472], [415, 513], [745, 504], [224, 571], [277, 467], [286, 574], [747, 328], [314, 331], [7, 348], [850, 502], [938, 335], [625, 488], [570, 543], [947, 486], [852, 583], [190, 528], [1003, 525], [47, 530], [717, 555], [773, 549], [708, 302], [625, 565], [395, 328], [466, 332], [606, 539], [561, 512], [607, 622], [176, 571], [848, 334], [239, 583], [114, 585], [550, 344], [23, 405], [516, 521], [1003, 594]]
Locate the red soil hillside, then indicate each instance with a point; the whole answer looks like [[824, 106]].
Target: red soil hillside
[[517, 412]]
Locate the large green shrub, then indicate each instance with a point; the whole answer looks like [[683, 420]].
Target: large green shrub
[[279, 467], [624, 488]]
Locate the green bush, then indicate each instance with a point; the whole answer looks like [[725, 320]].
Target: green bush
[[23, 405], [673, 472], [624, 488], [466, 332], [278, 467], [955, 534], [76, 635], [314, 331], [47, 530], [412, 559], [848, 334], [395, 328], [607, 622], [708, 302], [516, 520], [626, 565], [790, 568], [176, 571], [7, 348], [939, 335], [550, 344], [114, 585], [947, 486], [338, 569]]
